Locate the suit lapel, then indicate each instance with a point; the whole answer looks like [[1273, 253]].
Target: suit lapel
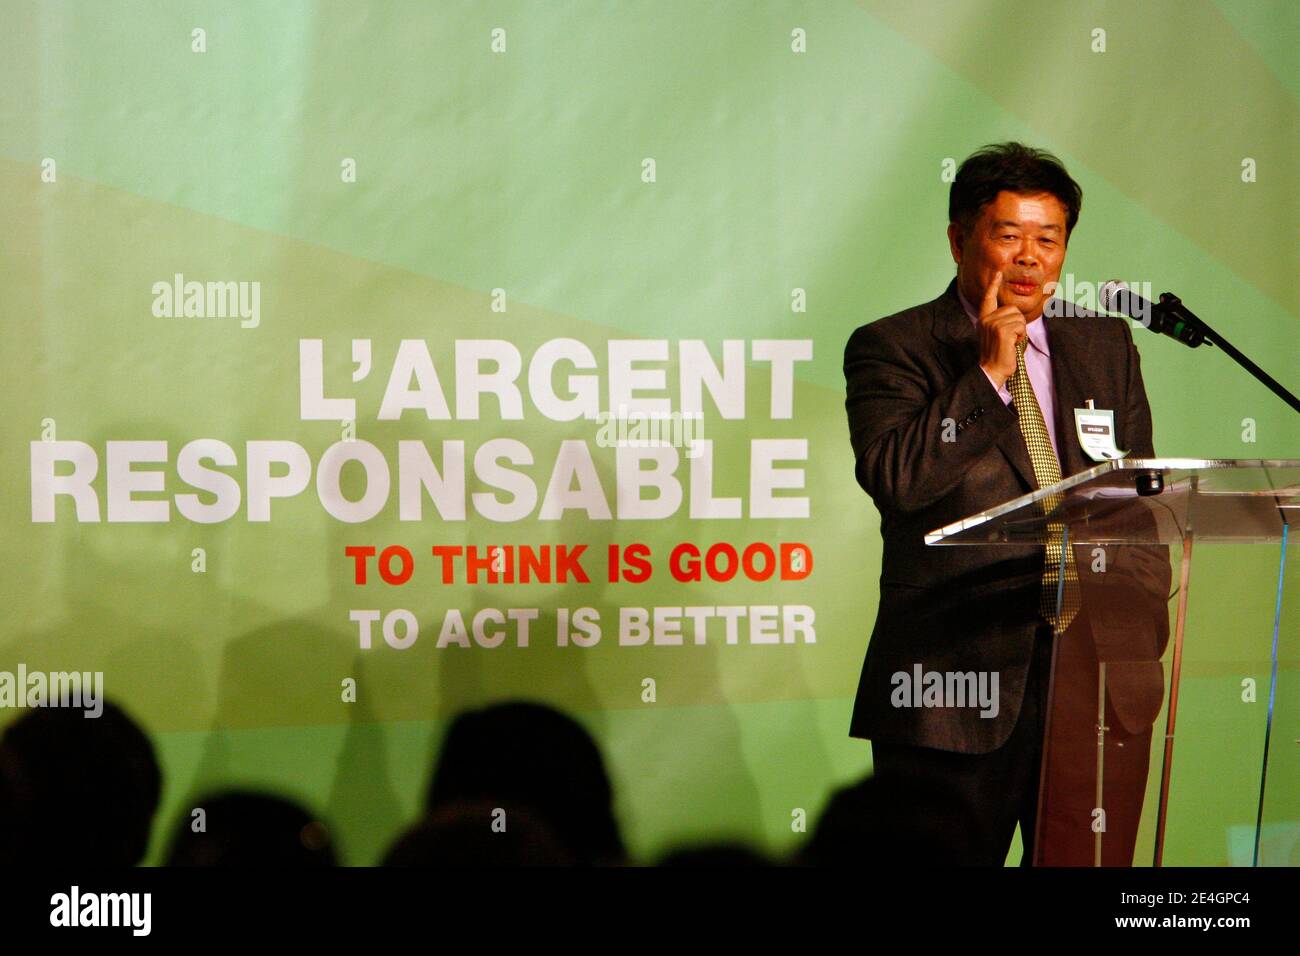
[[954, 328], [1064, 340]]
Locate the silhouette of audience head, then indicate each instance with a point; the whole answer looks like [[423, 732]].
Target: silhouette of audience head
[[528, 757], [709, 855], [243, 829], [887, 819], [76, 790], [515, 783], [478, 833]]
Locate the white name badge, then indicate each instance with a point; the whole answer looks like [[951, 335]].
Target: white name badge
[[1096, 430]]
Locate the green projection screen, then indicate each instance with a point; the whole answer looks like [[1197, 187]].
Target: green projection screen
[[285, 283]]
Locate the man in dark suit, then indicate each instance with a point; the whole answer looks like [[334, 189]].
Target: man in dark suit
[[937, 435]]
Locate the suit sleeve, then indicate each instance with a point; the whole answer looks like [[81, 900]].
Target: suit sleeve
[[1139, 576], [1151, 563], [912, 444], [1138, 417]]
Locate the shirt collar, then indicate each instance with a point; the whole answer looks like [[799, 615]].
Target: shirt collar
[[1037, 329]]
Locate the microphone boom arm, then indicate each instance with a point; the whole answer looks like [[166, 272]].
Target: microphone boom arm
[[1169, 314]]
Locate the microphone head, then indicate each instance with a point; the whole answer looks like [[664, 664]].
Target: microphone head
[[1110, 294]]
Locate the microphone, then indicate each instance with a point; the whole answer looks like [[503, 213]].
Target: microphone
[[1168, 316]]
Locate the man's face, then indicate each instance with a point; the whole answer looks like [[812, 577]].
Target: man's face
[[1022, 236]]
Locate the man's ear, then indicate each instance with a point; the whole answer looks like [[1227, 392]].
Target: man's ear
[[955, 241]]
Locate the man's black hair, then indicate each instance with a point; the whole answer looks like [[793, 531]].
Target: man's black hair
[[1012, 167]]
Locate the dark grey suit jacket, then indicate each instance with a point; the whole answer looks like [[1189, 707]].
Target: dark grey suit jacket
[[975, 608]]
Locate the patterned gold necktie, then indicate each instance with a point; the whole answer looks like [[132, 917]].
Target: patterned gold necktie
[[1047, 471]]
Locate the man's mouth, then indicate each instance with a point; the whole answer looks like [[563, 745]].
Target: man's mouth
[[1022, 288]]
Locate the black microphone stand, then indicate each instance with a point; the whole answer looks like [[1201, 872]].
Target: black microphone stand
[[1170, 317]]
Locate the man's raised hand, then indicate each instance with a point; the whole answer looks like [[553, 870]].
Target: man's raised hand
[[1000, 329]]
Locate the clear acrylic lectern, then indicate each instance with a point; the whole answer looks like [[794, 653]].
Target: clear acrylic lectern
[[1224, 681]]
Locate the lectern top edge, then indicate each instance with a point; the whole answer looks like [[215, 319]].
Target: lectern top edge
[[1119, 478]]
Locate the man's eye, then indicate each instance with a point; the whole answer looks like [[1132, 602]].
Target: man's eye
[[1047, 242]]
